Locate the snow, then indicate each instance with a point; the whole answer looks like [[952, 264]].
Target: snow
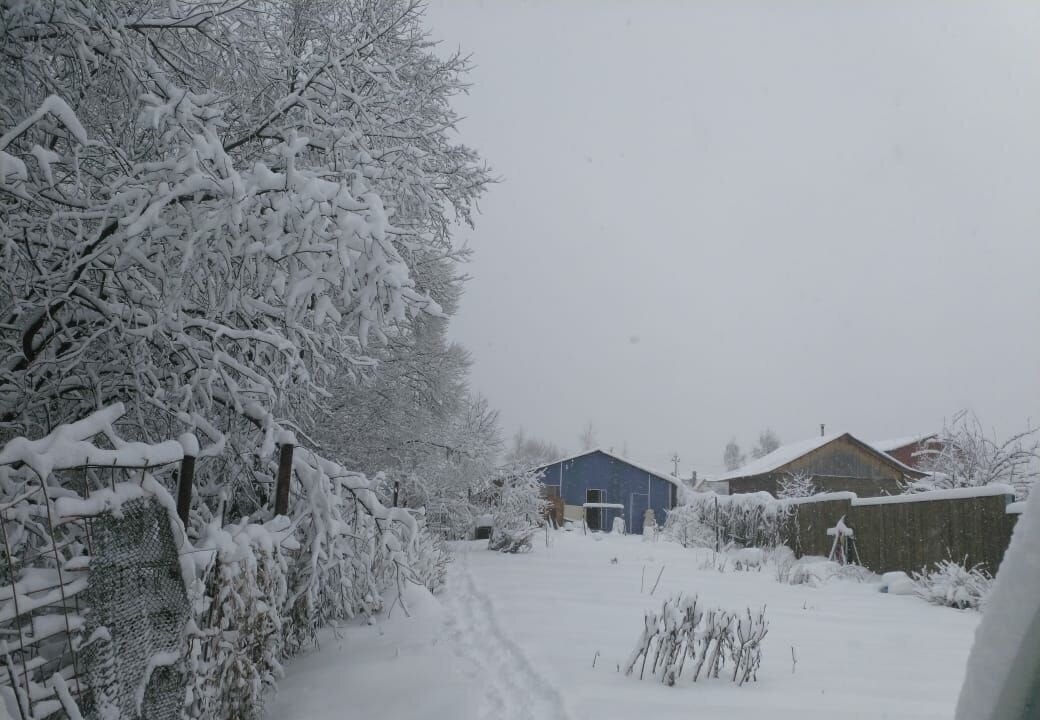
[[1016, 508], [613, 506], [400, 667], [68, 446], [900, 442], [1004, 666], [516, 636], [897, 582], [189, 444], [820, 497], [951, 494], [788, 453]]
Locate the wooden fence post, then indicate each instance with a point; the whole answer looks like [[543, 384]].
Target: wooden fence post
[[184, 483], [281, 494], [397, 489], [187, 476]]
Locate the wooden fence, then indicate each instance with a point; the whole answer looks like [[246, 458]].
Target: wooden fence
[[910, 532]]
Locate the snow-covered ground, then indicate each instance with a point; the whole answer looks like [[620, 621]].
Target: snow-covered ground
[[515, 636]]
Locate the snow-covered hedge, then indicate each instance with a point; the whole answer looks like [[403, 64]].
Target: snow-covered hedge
[[745, 520]]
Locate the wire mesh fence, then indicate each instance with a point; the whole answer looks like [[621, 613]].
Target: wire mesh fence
[[93, 602]]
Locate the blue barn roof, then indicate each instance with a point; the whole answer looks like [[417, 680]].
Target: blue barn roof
[[615, 456]]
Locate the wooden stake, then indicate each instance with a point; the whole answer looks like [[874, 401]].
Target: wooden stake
[[184, 487], [281, 495]]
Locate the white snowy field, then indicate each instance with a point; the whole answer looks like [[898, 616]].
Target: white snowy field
[[515, 637]]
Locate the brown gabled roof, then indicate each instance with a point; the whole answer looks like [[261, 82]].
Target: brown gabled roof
[[786, 454]]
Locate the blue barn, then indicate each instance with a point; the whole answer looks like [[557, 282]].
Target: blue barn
[[600, 476]]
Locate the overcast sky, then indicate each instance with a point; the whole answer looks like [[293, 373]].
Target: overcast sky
[[717, 217]]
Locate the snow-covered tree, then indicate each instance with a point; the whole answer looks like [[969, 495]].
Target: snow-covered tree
[[587, 439], [527, 452], [732, 457], [964, 455], [767, 443], [208, 208]]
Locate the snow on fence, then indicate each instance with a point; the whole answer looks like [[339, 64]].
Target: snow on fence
[[898, 532], [911, 532]]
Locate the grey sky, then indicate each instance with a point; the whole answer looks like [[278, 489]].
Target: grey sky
[[722, 216]]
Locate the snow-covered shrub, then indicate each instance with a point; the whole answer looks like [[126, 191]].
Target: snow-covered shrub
[[746, 520], [953, 585], [428, 559], [783, 559], [796, 485], [352, 548], [685, 635], [512, 537], [238, 643], [519, 507], [816, 571]]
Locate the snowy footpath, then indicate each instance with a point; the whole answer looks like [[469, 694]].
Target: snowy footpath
[[517, 637]]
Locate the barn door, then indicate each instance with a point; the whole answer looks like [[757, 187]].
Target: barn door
[[594, 516], [637, 505]]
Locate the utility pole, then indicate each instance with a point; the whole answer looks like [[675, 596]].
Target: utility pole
[[675, 461]]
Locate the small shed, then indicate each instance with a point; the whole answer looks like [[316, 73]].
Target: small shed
[[601, 477], [835, 462]]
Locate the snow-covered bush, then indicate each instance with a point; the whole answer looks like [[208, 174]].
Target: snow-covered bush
[[953, 585], [796, 485], [783, 559], [428, 559], [816, 571], [519, 508], [512, 537], [745, 520], [685, 635], [238, 643]]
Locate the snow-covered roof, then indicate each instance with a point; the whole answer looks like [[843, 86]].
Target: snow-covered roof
[[779, 457], [896, 443], [789, 453], [611, 454]]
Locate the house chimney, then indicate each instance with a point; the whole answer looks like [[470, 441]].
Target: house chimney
[[821, 430]]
